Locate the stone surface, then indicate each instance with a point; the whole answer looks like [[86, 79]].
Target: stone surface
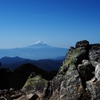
[[69, 81], [71, 85], [94, 52], [35, 84], [78, 68], [97, 71], [83, 43], [39, 86], [85, 69], [94, 89]]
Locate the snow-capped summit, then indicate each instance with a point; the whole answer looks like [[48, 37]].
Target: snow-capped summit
[[40, 42]]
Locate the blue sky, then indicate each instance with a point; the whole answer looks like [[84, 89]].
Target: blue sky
[[59, 23]]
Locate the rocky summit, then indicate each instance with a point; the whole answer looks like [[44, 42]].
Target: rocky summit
[[77, 79]]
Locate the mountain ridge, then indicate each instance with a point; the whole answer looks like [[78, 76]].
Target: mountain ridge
[[39, 44], [45, 64], [36, 51]]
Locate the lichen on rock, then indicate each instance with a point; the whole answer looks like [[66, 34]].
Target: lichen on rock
[[35, 84]]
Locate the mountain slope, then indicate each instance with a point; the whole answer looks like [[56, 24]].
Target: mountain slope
[[38, 50], [39, 44]]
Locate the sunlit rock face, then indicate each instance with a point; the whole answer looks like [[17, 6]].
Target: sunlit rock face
[[75, 78]]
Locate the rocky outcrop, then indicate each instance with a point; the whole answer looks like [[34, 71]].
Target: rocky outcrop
[[70, 81], [39, 86], [35, 84], [77, 79], [83, 43], [94, 52]]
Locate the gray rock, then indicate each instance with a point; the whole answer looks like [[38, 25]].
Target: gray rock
[[97, 71], [35, 84], [94, 53], [85, 62], [94, 63], [94, 89], [83, 43], [85, 69], [71, 86]]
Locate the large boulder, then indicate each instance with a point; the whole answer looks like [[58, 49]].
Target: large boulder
[[77, 54], [34, 84], [38, 86], [97, 71], [68, 81], [78, 68], [94, 53], [83, 43]]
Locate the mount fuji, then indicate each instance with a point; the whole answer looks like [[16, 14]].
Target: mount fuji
[[39, 50], [39, 44]]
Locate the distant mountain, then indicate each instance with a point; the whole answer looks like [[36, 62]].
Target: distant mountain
[[38, 50], [46, 64], [9, 60], [39, 44], [60, 58]]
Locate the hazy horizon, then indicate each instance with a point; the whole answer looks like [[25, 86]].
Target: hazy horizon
[[25, 46], [59, 23], [31, 45]]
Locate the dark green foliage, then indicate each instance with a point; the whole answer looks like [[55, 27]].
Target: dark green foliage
[[0, 64], [20, 75], [4, 82]]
